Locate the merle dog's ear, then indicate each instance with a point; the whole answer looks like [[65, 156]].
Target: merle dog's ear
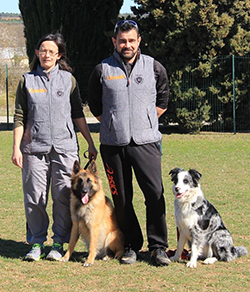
[[76, 167], [174, 172], [196, 176], [92, 167]]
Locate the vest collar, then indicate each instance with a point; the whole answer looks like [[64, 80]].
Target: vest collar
[[118, 57], [42, 72]]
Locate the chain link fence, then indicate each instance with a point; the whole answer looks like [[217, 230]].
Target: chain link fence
[[9, 78], [225, 82]]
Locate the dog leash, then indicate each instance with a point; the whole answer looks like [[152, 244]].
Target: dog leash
[[86, 156]]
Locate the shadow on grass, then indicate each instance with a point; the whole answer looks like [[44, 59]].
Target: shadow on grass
[[144, 256], [79, 257], [13, 249], [17, 250]]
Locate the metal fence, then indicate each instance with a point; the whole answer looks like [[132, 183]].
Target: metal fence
[[226, 83]]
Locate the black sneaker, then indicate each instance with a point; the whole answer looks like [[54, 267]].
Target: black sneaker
[[160, 258], [129, 257]]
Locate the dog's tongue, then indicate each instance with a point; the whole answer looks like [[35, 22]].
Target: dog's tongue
[[179, 195], [85, 199]]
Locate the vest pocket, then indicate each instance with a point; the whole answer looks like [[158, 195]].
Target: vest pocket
[[149, 120], [118, 122], [142, 120], [110, 122], [39, 131], [63, 132], [70, 132]]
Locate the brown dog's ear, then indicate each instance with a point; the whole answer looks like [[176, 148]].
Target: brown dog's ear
[[76, 167], [92, 167]]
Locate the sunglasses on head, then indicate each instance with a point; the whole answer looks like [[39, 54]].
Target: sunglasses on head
[[126, 21]]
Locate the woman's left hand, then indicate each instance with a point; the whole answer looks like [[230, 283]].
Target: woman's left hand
[[92, 152]]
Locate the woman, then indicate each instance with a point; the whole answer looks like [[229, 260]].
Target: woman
[[45, 143]]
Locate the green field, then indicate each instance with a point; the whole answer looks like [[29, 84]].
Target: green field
[[223, 160]]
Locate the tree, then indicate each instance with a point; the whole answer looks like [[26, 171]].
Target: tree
[[84, 24], [179, 31]]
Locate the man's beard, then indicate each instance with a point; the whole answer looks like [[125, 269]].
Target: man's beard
[[126, 56]]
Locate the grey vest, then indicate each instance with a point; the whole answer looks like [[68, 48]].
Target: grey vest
[[129, 103], [49, 122]]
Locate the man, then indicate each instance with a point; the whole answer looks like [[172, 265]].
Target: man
[[128, 92]]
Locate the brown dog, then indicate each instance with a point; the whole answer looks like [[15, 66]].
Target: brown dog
[[93, 216]]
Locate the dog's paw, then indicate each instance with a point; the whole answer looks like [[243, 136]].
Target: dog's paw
[[87, 264], [174, 259], [106, 258], [64, 260], [210, 261], [191, 264]]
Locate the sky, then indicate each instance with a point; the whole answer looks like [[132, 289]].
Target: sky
[[11, 6]]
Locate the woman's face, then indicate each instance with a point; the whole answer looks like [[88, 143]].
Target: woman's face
[[48, 55]]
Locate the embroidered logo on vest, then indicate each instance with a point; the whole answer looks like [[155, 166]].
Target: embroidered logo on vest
[[39, 90], [115, 77], [139, 80], [59, 93]]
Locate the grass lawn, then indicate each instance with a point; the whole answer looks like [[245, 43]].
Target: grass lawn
[[223, 160]]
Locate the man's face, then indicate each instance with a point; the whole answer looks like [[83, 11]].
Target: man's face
[[127, 44]]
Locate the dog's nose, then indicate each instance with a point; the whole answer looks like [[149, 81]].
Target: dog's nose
[[176, 189]]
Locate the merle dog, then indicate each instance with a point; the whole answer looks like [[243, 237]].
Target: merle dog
[[199, 223]]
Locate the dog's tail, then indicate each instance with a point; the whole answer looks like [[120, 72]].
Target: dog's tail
[[241, 251]]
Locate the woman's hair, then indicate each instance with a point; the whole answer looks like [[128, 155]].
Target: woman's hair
[[59, 40]]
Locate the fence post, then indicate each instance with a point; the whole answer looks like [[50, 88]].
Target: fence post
[[7, 95], [233, 80]]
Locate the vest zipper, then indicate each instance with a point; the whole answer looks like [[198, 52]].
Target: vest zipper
[[129, 102], [50, 102]]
